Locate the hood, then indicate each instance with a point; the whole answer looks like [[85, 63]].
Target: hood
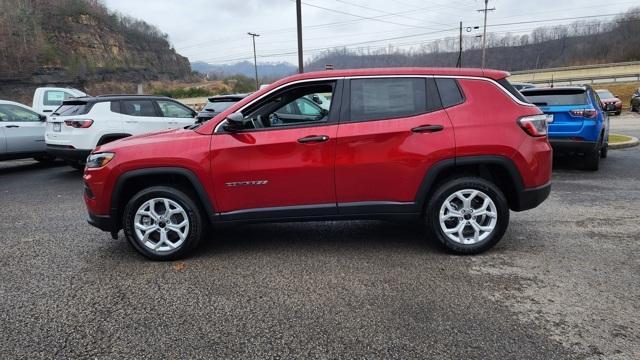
[[135, 140]]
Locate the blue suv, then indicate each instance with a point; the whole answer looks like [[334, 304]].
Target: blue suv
[[578, 124]]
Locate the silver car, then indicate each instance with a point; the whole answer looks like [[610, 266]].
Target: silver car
[[21, 133]]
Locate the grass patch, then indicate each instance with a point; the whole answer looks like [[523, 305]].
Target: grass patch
[[615, 138]]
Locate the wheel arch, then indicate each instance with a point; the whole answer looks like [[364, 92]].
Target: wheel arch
[[130, 182], [498, 169], [106, 138]]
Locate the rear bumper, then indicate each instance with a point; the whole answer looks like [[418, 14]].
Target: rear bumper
[[572, 146], [530, 198], [67, 153], [102, 222]]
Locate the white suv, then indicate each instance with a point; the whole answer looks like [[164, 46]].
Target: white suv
[[81, 124]]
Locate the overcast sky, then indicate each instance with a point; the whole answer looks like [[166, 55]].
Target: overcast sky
[[215, 31]]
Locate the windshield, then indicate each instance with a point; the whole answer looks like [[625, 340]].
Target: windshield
[[557, 97], [219, 106], [605, 94]]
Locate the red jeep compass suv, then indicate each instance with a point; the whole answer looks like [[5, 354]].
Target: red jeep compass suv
[[456, 148]]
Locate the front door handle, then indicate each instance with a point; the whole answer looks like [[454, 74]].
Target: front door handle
[[427, 128], [12, 126], [313, 139]]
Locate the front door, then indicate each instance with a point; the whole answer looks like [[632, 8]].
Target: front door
[[278, 166], [23, 129]]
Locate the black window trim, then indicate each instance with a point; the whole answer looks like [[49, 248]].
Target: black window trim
[[332, 119], [345, 114]]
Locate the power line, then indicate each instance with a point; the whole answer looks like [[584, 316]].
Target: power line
[[362, 17], [285, 52]]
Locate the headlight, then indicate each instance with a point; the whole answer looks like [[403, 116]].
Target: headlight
[[99, 160]]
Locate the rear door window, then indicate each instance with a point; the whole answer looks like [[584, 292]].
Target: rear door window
[[174, 110], [55, 97], [138, 108], [387, 98], [557, 97]]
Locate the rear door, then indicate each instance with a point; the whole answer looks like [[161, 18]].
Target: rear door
[[141, 116], [23, 129], [392, 130], [176, 114]]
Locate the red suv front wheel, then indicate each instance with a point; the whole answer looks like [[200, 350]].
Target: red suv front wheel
[[162, 223]]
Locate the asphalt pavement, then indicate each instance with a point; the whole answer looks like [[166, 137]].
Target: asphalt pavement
[[563, 283]]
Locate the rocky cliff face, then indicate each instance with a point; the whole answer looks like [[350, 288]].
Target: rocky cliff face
[[79, 43]]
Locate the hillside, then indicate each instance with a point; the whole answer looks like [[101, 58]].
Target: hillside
[[246, 68], [79, 43], [578, 43]]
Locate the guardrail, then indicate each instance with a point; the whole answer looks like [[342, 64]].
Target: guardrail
[[589, 80]]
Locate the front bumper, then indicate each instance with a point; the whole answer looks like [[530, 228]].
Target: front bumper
[[68, 153], [530, 198], [572, 146], [102, 222]]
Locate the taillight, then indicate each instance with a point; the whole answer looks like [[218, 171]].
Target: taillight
[[535, 125], [79, 124], [585, 113]]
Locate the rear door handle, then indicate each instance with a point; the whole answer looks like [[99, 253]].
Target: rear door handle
[[427, 128], [313, 138], [12, 126]]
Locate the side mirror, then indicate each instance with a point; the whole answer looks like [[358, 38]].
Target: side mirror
[[235, 122], [316, 99], [43, 118]]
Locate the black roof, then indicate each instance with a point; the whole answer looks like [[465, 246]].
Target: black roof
[[113, 97]]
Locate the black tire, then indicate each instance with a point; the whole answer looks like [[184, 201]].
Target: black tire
[[449, 188], [194, 216], [591, 160], [604, 151], [76, 165], [45, 160]]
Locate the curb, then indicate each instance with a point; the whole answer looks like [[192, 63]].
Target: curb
[[625, 144]]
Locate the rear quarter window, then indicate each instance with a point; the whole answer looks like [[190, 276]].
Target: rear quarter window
[[450, 93]]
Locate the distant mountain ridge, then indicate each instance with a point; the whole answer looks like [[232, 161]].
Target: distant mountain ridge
[[246, 68]]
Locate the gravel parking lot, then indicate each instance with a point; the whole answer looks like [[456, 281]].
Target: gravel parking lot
[[563, 283]]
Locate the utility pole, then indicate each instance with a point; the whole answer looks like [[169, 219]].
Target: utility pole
[[255, 59], [459, 63], [299, 21], [484, 32]]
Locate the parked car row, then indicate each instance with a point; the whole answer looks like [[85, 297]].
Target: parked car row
[[68, 124]]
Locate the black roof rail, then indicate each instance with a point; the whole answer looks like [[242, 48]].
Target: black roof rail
[[115, 95]]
